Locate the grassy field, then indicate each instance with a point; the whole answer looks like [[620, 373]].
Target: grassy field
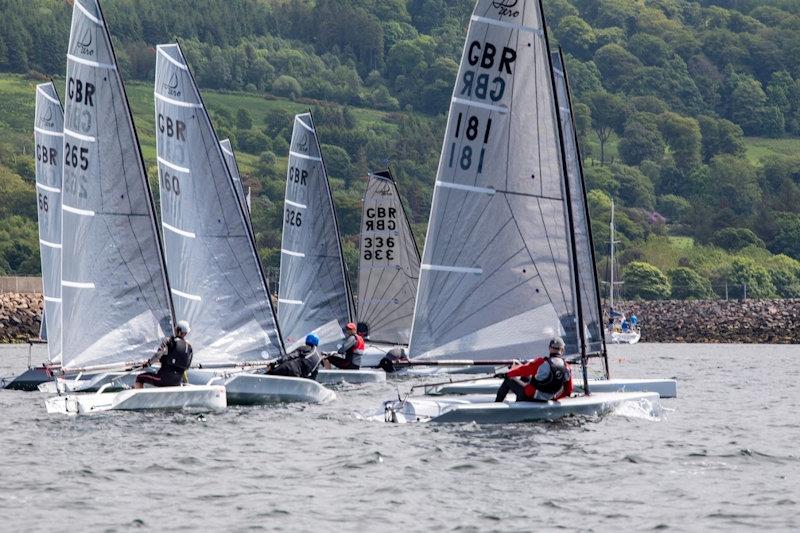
[[759, 148]]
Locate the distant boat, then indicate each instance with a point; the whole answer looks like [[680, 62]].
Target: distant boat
[[388, 270], [619, 329], [116, 305]]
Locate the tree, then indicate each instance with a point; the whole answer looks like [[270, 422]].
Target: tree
[[744, 276], [608, 116], [733, 185], [641, 140], [734, 239], [288, 86], [243, 119], [785, 275], [720, 136], [645, 281], [787, 237], [616, 64], [689, 285], [684, 139], [673, 207], [577, 36], [635, 189]]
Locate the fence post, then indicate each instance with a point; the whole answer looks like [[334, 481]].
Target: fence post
[[744, 287], [726, 291]]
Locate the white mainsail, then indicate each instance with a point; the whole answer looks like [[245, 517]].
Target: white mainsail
[[115, 300], [216, 276], [388, 270], [314, 294], [496, 277], [49, 137]]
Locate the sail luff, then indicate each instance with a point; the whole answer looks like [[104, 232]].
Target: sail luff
[[48, 136], [218, 281], [496, 275], [115, 300]]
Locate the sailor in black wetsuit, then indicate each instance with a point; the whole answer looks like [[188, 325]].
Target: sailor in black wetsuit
[[175, 355], [301, 363]]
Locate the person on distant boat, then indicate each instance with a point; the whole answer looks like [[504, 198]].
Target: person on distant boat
[[634, 321], [349, 355], [301, 363], [175, 355], [548, 378], [626, 327]]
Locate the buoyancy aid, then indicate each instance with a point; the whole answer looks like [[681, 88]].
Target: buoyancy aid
[[178, 356], [552, 375]]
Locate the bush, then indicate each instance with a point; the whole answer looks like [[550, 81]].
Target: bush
[[734, 239], [785, 275], [689, 285], [645, 281], [287, 86]]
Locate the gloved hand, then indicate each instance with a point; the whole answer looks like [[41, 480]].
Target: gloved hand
[[501, 375]]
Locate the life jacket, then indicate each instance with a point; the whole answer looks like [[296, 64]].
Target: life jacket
[[360, 346], [557, 376], [178, 356]]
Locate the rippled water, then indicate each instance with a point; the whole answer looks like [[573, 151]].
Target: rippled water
[[726, 456]]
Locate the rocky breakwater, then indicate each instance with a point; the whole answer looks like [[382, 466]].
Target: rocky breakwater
[[718, 321], [20, 316]]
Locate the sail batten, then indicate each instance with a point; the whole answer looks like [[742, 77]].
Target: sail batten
[[314, 294], [496, 270], [115, 300], [48, 134], [216, 275]]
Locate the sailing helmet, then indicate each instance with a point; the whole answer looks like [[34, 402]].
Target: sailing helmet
[[557, 342], [312, 339], [183, 327], [350, 326]]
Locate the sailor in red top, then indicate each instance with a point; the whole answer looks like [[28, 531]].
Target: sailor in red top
[[349, 355], [548, 378]]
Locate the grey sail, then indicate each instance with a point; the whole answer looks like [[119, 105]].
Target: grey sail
[[215, 274], [589, 293], [314, 294], [388, 270], [495, 279], [230, 160], [48, 134], [114, 290]]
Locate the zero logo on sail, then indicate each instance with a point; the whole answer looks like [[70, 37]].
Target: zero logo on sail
[[85, 41], [505, 8]]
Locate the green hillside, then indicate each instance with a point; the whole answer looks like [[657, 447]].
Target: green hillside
[[688, 115]]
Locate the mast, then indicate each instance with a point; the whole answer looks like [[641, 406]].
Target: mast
[[601, 328], [570, 216], [612, 283]]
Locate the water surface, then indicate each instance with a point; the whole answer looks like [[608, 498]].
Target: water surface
[[725, 456]]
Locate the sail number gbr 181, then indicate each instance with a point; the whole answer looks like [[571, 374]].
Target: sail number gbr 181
[[469, 127]]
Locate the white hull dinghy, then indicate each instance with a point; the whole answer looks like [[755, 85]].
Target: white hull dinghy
[[623, 337], [353, 377], [482, 409], [665, 388], [195, 397], [247, 388]]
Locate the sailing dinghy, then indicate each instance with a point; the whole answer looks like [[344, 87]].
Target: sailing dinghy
[[48, 132], [218, 285], [615, 331], [499, 270], [115, 306], [314, 293]]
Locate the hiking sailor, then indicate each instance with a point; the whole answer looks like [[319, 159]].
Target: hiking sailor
[[175, 355], [549, 378], [301, 363], [349, 355]]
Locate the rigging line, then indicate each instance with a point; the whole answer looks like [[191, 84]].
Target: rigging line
[[458, 280], [510, 120], [552, 255]]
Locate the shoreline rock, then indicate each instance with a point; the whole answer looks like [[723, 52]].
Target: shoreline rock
[[20, 316]]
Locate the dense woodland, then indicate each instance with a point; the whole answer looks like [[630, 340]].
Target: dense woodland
[[668, 93]]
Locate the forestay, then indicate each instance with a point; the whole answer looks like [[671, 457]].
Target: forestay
[[115, 302], [314, 294], [496, 278], [589, 294], [48, 134], [388, 263], [216, 277]]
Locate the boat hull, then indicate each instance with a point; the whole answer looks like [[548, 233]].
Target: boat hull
[[28, 381], [258, 389], [623, 337], [195, 397], [353, 377], [483, 409], [665, 388]]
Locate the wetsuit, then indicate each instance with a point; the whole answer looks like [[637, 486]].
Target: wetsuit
[[301, 363], [543, 385], [176, 358], [352, 350]]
